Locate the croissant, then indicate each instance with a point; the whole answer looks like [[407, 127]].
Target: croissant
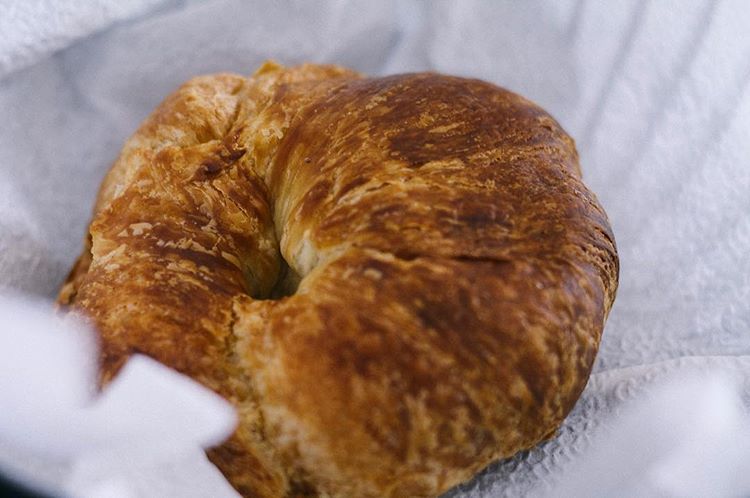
[[395, 280]]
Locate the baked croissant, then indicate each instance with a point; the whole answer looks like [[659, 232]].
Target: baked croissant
[[394, 280]]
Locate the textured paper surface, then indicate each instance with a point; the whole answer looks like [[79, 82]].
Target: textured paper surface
[[656, 94], [142, 436]]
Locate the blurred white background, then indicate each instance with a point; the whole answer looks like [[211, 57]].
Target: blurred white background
[[655, 92]]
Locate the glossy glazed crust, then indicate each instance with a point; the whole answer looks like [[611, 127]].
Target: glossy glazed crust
[[454, 273]]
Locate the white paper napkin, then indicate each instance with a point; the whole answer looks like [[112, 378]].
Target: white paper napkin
[[142, 436]]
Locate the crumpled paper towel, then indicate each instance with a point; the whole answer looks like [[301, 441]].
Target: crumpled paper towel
[[689, 436], [656, 93], [33, 28], [142, 436]]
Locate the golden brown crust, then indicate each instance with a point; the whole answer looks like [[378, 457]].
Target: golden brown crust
[[455, 273]]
